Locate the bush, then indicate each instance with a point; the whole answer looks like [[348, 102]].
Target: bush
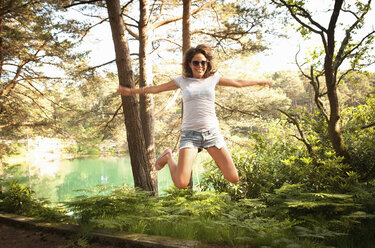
[[20, 199], [276, 159], [17, 198], [361, 138]]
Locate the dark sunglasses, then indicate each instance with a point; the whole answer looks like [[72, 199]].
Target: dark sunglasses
[[203, 62]]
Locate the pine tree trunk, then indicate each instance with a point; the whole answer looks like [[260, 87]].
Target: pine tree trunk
[[186, 44], [145, 78], [135, 138]]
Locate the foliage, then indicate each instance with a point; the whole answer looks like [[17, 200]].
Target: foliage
[[361, 137], [339, 220], [289, 217], [19, 199], [243, 27], [277, 158], [35, 41], [342, 40], [292, 85], [205, 216]]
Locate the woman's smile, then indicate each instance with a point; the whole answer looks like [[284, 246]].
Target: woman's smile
[[198, 65]]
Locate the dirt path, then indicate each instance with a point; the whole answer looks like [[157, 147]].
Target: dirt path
[[14, 237]]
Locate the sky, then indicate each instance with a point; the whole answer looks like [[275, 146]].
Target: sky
[[280, 56]]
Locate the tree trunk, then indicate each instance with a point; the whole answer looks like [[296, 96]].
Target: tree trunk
[[145, 78], [1, 48], [135, 138], [334, 127], [186, 44]]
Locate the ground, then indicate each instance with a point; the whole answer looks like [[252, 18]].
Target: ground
[[14, 237]]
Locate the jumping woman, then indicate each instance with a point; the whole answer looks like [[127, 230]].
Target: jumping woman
[[200, 126]]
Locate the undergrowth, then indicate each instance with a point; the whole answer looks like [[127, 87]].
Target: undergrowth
[[288, 217]]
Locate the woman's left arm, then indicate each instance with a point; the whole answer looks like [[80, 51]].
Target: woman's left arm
[[238, 83]]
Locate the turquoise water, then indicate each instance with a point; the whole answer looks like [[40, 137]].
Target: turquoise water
[[58, 181]]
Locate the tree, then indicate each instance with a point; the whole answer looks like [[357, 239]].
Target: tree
[[145, 78], [186, 40], [135, 137], [186, 44], [352, 47], [34, 41]]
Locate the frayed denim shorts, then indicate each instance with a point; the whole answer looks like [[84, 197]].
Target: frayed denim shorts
[[201, 139]]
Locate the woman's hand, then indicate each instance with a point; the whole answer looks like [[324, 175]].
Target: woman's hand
[[125, 91]]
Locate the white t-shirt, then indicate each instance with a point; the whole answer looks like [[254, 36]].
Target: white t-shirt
[[198, 97]]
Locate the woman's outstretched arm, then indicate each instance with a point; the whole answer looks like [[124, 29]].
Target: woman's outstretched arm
[[238, 83], [154, 89]]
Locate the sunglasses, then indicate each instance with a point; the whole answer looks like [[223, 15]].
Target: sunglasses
[[203, 63]]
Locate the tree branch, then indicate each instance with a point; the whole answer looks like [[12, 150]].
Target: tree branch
[[357, 46], [340, 57], [321, 30], [98, 66], [304, 14], [314, 81], [177, 18], [300, 131], [368, 125], [81, 3], [300, 66], [135, 35], [170, 41], [113, 117]]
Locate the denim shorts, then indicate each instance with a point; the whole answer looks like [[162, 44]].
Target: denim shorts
[[200, 140]]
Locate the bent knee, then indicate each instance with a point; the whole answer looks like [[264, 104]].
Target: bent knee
[[181, 184]]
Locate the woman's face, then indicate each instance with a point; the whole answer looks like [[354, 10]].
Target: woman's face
[[198, 65]]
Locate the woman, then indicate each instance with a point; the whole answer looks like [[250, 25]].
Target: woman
[[200, 126]]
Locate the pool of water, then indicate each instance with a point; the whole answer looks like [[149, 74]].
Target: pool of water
[[59, 181]]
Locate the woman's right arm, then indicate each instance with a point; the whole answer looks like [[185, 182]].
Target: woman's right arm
[[153, 89]]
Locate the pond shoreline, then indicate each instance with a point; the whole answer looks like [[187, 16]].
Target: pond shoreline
[[63, 179]]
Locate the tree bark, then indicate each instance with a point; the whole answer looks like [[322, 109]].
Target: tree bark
[[1, 47], [135, 138], [186, 44], [145, 78], [334, 127]]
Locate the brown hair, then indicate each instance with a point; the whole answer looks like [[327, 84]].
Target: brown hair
[[207, 52]]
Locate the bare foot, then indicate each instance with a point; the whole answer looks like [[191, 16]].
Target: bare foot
[[162, 160]]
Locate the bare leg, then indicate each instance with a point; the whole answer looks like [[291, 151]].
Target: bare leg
[[225, 163], [181, 171]]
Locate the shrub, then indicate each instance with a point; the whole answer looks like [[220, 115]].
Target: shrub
[[20, 199], [361, 138], [17, 197], [275, 159]]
